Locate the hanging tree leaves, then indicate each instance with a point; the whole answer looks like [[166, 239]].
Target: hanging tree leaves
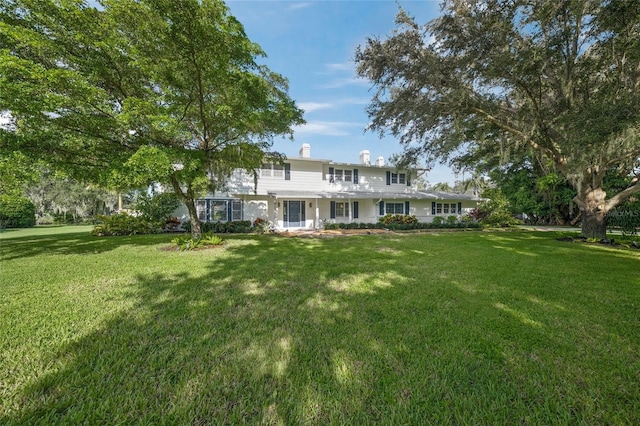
[[134, 91], [559, 79]]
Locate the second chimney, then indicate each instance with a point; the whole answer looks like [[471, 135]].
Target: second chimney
[[305, 151], [365, 158]]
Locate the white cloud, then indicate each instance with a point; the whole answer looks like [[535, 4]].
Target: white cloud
[[299, 5], [311, 106], [344, 66], [338, 83], [327, 128], [315, 106], [354, 101]]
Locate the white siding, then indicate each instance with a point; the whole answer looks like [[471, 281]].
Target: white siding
[[312, 177]]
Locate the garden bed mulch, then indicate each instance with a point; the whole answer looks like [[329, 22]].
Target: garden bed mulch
[[332, 233]]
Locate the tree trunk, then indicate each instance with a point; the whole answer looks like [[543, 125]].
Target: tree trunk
[[594, 224], [188, 198], [593, 211], [196, 226]]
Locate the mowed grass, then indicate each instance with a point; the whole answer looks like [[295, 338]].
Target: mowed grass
[[438, 328]]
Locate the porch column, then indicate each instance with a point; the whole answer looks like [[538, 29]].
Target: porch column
[[275, 213], [316, 222]]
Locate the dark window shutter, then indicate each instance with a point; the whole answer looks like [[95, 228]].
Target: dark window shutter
[[303, 213], [433, 208], [355, 176], [229, 213], [287, 171], [332, 214], [382, 207], [406, 207], [331, 174], [388, 178], [355, 209], [459, 208], [408, 179], [208, 208]]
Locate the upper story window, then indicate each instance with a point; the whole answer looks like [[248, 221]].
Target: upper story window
[[397, 178], [343, 175], [276, 170]]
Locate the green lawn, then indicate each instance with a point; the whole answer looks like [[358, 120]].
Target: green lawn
[[458, 328]]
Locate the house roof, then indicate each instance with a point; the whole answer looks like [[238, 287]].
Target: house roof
[[375, 195]]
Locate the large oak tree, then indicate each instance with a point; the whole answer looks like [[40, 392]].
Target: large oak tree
[[138, 90], [560, 79]]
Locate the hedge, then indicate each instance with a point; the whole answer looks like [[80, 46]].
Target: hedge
[[16, 212]]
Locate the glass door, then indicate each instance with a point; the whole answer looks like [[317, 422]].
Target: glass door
[[293, 214]]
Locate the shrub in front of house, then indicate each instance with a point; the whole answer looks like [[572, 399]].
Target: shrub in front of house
[[410, 225], [452, 220], [125, 224], [437, 221], [237, 227], [398, 219]]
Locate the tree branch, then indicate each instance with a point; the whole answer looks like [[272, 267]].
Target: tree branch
[[552, 151], [622, 196]]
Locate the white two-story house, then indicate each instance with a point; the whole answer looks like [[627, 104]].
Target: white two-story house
[[305, 193]]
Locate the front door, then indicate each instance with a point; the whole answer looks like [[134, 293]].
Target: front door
[[293, 214]]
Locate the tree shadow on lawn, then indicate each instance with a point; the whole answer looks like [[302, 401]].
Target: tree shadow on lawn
[[269, 336], [72, 241]]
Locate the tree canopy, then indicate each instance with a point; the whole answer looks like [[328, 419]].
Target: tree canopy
[[556, 80], [139, 90]]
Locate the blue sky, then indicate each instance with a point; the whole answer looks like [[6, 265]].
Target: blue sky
[[312, 43]]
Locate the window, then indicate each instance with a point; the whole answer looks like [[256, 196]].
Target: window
[[394, 208], [446, 208], [453, 207], [201, 207], [342, 209], [339, 209], [265, 170], [236, 210], [396, 178], [274, 170], [439, 208], [219, 210], [340, 175]]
